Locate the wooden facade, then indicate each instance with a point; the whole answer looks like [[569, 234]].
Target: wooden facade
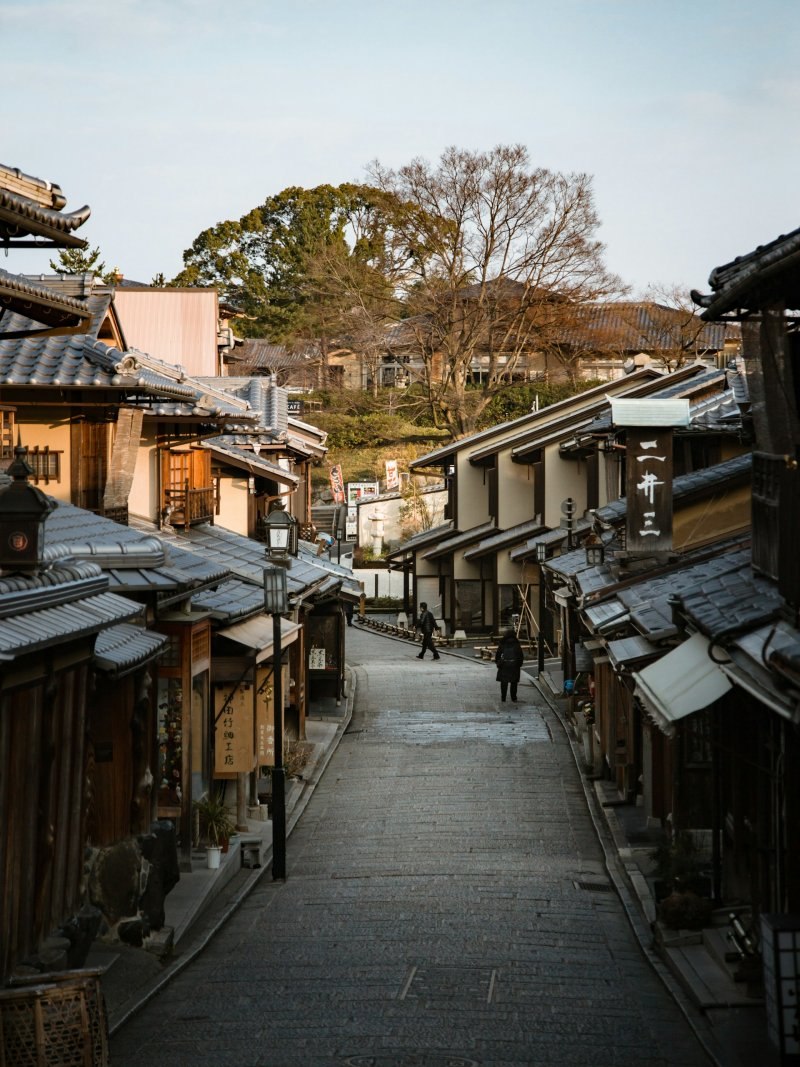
[[43, 771]]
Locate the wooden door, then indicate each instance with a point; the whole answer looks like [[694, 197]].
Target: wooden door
[[88, 463]]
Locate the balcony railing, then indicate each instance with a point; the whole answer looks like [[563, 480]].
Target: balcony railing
[[188, 507]]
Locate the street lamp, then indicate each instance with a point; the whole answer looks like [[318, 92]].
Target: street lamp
[[595, 553], [276, 603], [541, 556], [281, 534]]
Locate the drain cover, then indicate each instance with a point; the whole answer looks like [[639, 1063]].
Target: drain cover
[[410, 1059]]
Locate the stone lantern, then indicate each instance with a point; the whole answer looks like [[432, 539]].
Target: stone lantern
[[23, 509]]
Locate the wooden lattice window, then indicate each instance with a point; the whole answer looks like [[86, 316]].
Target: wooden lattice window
[[46, 464], [6, 433]]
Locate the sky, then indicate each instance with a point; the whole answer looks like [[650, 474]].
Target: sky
[[169, 116]]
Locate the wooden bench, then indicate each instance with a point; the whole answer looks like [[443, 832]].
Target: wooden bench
[[485, 651]]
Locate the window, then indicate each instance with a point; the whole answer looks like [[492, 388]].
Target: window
[[6, 433], [46, 464]]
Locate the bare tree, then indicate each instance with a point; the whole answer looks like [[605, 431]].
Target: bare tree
[[494, 254], [670, 330]]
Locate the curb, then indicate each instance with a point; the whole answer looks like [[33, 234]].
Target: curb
[[634, 896], [194, 948]]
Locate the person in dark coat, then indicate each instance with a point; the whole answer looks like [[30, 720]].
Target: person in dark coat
[[509, 659], [426, 623]]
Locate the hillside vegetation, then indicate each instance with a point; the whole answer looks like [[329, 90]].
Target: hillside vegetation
[[365, 431]]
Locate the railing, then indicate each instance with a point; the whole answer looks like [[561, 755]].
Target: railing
[[187, 507]]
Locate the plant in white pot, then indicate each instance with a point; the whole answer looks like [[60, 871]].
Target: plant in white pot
[[216, 826]]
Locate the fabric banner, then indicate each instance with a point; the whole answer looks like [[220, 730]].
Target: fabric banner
[[392, 475], [337, 484]]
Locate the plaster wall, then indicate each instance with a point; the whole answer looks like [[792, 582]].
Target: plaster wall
[[143, 499], [234, 501], [515, 492], [712, 519], [472, 494], [562, 479], [51, 428], [508, 572]]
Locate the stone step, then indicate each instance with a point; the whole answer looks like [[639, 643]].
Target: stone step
[[709, 984]]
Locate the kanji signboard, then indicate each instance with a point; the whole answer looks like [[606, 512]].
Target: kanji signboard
[[649, 489], [233, 730]]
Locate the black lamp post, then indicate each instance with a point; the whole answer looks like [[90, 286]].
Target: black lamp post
[[276, 603], [541, 556], [281, 531]]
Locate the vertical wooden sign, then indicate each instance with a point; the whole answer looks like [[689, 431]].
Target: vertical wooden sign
[[233, 730], [265, 718], [649, 489]]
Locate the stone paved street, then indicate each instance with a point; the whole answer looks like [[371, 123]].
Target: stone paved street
[[446, 904]]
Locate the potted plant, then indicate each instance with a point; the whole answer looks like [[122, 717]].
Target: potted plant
[[216, 825]]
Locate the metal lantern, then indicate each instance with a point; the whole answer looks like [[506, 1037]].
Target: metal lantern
[[595, 553], [23, 509], [281, 534], [276, 598]]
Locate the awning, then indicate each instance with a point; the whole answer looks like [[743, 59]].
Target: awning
[[628, 650], [256, 634], [249, 461], [682, 682]]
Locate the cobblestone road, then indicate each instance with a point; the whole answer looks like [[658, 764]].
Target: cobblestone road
[[446, 904]]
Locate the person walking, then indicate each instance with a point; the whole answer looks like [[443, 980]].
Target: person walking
[[426, 624], [509, 659]]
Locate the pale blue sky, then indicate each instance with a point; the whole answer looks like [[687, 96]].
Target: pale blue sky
[[167, 116]]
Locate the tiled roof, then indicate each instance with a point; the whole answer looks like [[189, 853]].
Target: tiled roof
[[537, 420], [256, 352], [643, 326], [551, 538], [246, 458], [420, 540], [247, 558], [128, 555], [121, 649], [709, 479], [717, 410], [28, 631], [648, 600], [21, 218], [43, 306], [723, 604], [503, 539], [741, 283], [460, 540], [80, 360], [231, 600]]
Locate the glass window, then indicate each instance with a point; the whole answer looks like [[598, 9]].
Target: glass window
[[468, 613]]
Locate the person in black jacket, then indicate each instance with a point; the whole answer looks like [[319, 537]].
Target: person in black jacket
[[509, 659], [427, 624]]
